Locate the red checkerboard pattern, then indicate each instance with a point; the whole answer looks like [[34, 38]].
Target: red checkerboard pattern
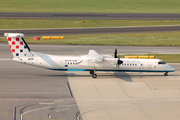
[[17, 39], [13, 42], [18, 47], [15, 45], [9, 39]]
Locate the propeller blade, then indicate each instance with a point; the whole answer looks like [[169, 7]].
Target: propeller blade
[[119, 61], [115, 53]]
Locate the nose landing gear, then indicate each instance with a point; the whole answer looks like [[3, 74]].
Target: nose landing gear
[[166, 74]]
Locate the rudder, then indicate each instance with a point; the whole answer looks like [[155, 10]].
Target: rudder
[[18, 46]]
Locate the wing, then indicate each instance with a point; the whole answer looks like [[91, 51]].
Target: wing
[[94, 59], [94, 56]]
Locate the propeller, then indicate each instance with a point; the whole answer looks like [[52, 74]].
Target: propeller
[[115, 53], [118, 61]]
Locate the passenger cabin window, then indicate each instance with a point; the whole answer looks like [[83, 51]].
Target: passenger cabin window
[[161, 62]]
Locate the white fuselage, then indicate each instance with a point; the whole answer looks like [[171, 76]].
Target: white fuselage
[[83, 63]]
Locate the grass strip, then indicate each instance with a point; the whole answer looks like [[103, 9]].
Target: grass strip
[[135, 39], [46, 23], [92, 6]]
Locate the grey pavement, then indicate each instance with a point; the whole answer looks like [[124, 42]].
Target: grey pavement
[[110, 16], [112, 96], [127, 96], [96, 30], [21, 84], [56, 49]]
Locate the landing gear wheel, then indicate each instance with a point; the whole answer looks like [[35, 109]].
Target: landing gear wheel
[[91, 72], [94, 76], [165, 74]]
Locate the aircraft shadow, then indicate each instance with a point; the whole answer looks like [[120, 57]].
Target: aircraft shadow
[[123, 76], [120, 75]]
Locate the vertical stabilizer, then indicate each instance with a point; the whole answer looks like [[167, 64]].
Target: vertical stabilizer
[[18, 46]]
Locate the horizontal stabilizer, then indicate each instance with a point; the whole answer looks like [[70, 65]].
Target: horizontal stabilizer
[[13, 35]]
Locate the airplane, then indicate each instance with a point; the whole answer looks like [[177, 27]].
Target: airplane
[[92, 62]]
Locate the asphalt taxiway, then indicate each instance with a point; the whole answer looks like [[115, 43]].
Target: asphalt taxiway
[[97, 30], [35, 92], [43, 94], [110, 16], [84, 49]]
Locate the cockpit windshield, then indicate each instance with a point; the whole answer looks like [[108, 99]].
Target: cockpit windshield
[[161, 62]]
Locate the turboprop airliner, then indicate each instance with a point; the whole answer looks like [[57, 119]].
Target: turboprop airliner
[[91, 62]]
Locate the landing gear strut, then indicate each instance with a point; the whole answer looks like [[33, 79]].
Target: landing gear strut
[[93, 73], [166, 74]]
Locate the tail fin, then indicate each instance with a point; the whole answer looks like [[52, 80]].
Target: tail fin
[[18, 46]]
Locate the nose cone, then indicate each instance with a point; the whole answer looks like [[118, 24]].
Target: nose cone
[[170, 69]]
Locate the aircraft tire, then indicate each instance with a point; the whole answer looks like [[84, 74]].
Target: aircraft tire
[[94, 76], [165, 74]]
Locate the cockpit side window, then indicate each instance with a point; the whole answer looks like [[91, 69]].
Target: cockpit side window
[[161, 62]]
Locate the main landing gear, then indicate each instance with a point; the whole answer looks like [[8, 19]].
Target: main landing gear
[[93, 74], [166, 74]]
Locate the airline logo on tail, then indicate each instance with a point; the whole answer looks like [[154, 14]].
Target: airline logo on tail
[[17, 45]]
